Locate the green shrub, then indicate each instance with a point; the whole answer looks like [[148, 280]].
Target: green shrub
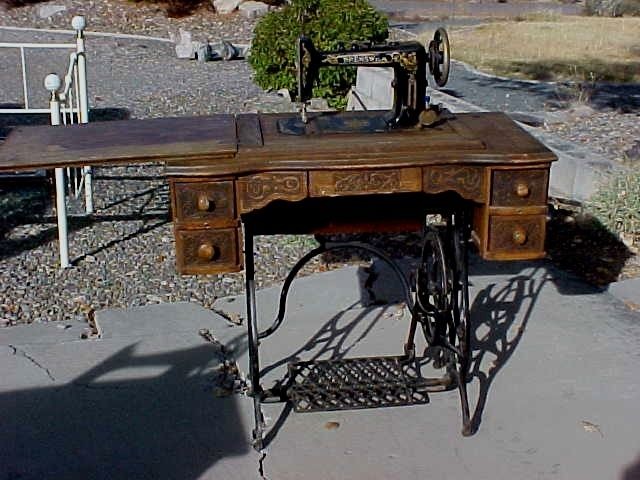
[[327, 23], [617, 203]]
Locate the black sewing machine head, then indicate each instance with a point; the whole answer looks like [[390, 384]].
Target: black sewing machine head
[[409, 61]]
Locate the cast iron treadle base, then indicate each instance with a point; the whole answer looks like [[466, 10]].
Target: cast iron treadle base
[[354, 383]]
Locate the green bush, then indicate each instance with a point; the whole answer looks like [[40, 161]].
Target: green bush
[[617, 203], [327, 23]]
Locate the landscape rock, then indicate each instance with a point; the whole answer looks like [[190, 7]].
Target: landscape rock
[[185, 47], [633, 154], [253, 9], [226, 6], [46, 11]]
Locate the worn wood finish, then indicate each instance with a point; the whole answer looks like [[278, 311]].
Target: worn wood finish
[[467, 181], [122, 141], [256, 191], [519, 187], [207, 203], [225, 170], [516, 237], [208, 251]]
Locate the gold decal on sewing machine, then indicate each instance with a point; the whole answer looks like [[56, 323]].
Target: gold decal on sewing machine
[[467, 181], [363, 182], [256, 191]]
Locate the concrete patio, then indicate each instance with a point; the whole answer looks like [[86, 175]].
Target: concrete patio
[[555, 389]]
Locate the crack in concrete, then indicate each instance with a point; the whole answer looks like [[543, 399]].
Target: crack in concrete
[[263, 456], [18, 351]]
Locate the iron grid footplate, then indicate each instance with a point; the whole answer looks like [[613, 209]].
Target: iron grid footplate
[[355, 383]]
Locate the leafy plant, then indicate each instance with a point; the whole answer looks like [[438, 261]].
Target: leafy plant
[[327, 23], [617, 204]]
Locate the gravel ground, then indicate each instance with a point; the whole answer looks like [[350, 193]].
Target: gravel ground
[[124, 255]]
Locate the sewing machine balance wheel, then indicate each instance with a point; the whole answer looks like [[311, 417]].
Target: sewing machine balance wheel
[[439, 57]]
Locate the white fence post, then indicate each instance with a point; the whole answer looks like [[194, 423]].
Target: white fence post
[[52, 83], [78, 24]]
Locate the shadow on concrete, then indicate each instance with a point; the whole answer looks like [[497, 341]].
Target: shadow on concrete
[[133, 416], [632, 471], [499, 316], [333, 340]]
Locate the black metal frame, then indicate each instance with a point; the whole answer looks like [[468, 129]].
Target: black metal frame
[[440, 307]]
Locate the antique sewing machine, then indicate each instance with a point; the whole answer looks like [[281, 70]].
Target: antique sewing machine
[[234, 177], [409, 61]]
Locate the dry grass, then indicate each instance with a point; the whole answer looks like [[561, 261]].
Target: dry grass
[[546, 47]]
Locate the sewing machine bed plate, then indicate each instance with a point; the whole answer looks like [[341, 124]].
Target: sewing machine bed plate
[[226, 169]]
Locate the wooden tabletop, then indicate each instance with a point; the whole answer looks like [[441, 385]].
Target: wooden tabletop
[[231, 145]]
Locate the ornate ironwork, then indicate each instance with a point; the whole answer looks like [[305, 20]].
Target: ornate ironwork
[[355, 383], [441, 308]]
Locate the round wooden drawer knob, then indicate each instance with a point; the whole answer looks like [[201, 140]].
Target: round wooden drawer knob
[[522, 190], [519, 236], [207, 252], [204, 204]]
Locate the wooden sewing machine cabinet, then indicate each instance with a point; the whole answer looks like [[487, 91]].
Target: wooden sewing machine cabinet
[[236, 176], [336, 182]]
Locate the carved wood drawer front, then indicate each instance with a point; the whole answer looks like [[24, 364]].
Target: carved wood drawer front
[[326, 183], [467, 181], [209, 202], [516, 236], [519, 188], [256, 191], [207, 251]]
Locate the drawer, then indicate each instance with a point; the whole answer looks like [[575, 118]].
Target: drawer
[[516, 236], [208, 251], [519, 188], [209, 202], [328, 183]]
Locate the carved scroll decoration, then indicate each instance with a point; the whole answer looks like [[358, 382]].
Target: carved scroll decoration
[[466, 181], [256, 191], [366, 181]]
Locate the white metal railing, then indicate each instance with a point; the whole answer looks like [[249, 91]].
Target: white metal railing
[[67, 105]]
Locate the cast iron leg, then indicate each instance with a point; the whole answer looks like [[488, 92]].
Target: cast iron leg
[[461, 259], [252, 326]]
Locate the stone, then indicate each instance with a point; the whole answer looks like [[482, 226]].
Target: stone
[[46, 11], [633, 154], [185, 47], [203, 52], [226, 6], [318, 105], [253, 9]]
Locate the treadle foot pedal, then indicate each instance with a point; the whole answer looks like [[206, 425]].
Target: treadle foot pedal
[[355, 383]]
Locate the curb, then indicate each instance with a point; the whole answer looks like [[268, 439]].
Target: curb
[[92, 34]]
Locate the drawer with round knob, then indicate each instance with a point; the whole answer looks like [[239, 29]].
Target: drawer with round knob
[[211, 203], [208, 251], [516, 236], [519, 188]]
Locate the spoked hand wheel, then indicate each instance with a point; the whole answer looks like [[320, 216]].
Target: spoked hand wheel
[[439, 57], [433, 287]]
